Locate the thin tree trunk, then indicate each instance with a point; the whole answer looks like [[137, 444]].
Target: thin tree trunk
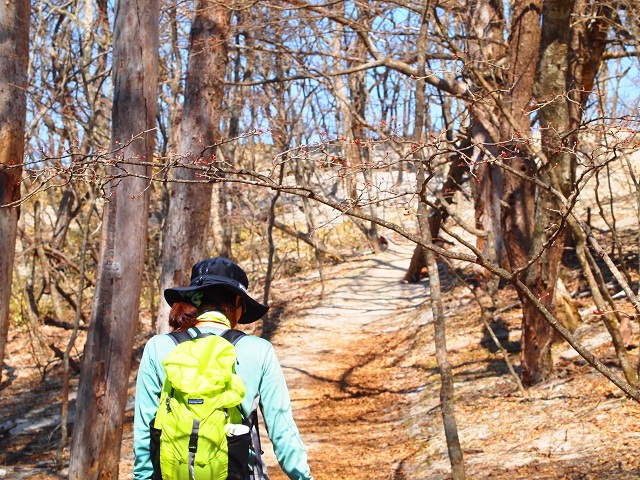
[[302, 176], [457, 168], [14, 55], [446, 374], [31, 298], [185, 231], [272, 246], [66, 356], [419, 258], [102, 393]]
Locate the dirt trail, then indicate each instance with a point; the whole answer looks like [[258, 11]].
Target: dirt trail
[[349, 419], [345, 362]]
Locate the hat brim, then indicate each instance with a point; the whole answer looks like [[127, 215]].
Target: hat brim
[[254, 310]]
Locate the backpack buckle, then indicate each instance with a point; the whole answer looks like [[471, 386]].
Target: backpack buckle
[[193, 438]]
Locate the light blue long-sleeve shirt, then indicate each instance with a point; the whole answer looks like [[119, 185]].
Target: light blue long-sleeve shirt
[[262, 375]]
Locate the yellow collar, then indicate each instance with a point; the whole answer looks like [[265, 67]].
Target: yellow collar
[[216, 317]]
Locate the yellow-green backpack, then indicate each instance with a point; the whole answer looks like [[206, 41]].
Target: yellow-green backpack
[[198, 414]]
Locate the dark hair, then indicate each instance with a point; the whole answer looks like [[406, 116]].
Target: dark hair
[[184, 314]]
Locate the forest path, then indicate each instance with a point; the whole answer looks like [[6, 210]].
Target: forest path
[[329, 353]]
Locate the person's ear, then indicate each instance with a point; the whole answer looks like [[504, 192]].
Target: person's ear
[[239, 308]]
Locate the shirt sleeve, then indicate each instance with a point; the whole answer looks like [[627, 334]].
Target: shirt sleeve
[[148, 388], [276, 410]]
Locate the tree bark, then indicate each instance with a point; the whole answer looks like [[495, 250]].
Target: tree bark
[[102, 392], [518, 197], [486, 21], [570, 59], [185, 231], [542, 276], [518, 201], [14, 56], [272, 245]]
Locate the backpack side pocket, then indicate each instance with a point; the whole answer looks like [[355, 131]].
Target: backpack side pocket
[[238, 446], [154, 449]]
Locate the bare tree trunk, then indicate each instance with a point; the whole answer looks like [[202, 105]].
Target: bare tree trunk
[[447, 403], [185, 231], [537, 334], [419, 258], [518, 202], [518, 198], [503, 196], [33, 296], [304, 176], [14, 55], [272, 246], [556, 77], [457, 168], [66, 356], [446, 374], [486, 21], [102, 393], [542, 276]]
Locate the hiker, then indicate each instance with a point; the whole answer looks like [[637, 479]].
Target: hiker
[[215, 302]]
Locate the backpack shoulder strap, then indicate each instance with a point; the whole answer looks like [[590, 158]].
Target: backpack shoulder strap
[[179, 337], [191, 334], [232, 336]]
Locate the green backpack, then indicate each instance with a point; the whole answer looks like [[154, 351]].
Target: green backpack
[[198, 432]]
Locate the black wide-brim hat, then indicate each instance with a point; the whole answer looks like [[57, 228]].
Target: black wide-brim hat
[[218, 272]]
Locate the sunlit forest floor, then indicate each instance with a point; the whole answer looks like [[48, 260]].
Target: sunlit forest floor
[[362, 372]]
